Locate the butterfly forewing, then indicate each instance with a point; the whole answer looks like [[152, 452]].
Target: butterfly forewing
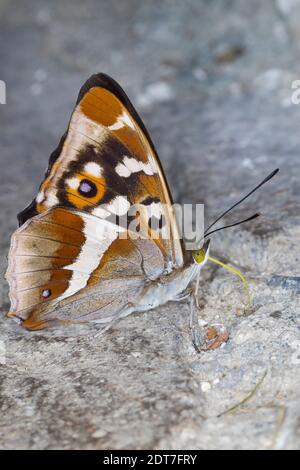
[[107, 161]]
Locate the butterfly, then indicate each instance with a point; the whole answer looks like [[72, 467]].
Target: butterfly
[[73, 259]]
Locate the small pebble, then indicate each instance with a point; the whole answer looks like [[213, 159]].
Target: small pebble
[[205, 386], [99, 433]]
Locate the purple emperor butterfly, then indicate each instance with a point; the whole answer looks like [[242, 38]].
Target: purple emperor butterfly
[[73, 259]]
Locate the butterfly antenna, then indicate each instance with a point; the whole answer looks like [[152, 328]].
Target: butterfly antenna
[[254, 216], [239, 202]]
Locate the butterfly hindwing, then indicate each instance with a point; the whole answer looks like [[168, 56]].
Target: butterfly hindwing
[[62, 253]]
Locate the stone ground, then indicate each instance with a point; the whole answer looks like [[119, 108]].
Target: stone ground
[[213, 83]]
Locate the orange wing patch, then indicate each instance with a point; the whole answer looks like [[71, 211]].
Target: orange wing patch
[[102, 107], [85, 189]]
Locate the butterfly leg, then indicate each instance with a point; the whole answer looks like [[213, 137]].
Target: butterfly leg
[[197, 335], [196, 291], [183, 295]]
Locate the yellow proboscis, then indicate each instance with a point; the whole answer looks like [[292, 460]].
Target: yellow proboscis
[[237, 273]]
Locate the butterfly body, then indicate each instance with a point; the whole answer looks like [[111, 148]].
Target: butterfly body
[[168, 288]]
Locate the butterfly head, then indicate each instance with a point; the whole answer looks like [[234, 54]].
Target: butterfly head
[[201, 256]]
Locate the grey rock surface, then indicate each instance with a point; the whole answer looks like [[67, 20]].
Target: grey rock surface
[[213, 82]]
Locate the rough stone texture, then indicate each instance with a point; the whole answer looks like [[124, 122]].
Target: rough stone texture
[[213, 83]]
